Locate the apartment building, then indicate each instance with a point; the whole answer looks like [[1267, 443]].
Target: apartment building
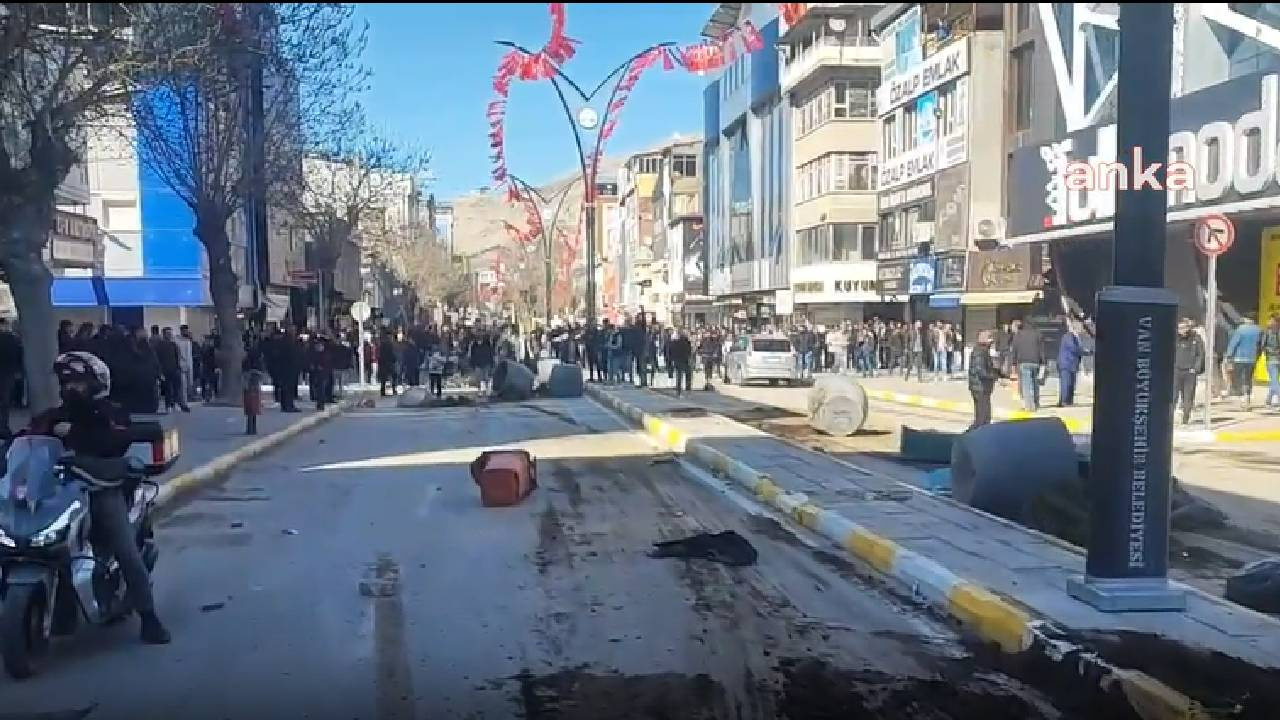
[[747, 172], [941, 175], [1225, 81], [683, 254], [829, 77]]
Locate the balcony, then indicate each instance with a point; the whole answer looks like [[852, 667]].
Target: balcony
[[829, 52]]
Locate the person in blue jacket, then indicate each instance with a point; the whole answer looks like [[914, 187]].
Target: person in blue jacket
[[1242, 351], [1070, 352]]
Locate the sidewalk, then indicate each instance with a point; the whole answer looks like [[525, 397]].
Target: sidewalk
[[1001, 580]]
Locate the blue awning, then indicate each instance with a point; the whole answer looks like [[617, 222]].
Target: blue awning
[[130, 291], [944, 300]]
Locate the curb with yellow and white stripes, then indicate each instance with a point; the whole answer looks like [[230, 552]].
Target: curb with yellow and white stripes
[[991, 617], [195, 478]]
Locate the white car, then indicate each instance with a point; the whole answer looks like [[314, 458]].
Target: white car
[[761, 357]]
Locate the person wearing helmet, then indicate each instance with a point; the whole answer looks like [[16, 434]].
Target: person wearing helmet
[[89, 424]]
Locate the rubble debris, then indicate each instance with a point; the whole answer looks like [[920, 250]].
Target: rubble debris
[[1257, 586], [728, 548]]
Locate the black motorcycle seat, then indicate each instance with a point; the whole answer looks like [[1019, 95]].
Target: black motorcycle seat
[[106, 470]]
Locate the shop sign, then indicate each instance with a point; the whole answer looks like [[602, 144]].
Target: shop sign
[[891, 278], [74, 239], [950, 273], [1004, 270], [911, 165], [1241, 113], [938, 69], [922, 278], [906, 196]]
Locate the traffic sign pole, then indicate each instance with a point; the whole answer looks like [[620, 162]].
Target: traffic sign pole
[[360, 312], [1210, 335], [1214, 234]]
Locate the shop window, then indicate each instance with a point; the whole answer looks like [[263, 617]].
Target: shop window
[[867, 251], [1022, 60]]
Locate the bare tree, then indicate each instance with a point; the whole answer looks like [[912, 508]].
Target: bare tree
[[414, 256], [59, 66], [352, 188], [231, 95]]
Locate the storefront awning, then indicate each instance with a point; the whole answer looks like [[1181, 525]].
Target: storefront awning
[[1014, 297], [82, 291], [945, 300]]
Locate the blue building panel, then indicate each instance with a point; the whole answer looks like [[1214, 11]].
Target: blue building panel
[[129, 292], [764, 66], [711, 112], [169, 245]]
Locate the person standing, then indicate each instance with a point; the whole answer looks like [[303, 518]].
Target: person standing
[[709, 351], [1070, 353], [680, 357], [10, 368], [186, 363], [1027, 356], [170, 359], [435, 372], [1188, 364], [915, 344], [386, 363], [1271, 355], [1242, 351], [838, 341], [983, 374], [482, 358], [319, 359], [941, 351]]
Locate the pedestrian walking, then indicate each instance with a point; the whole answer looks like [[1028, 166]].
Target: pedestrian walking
[[1027, 356], [1270, 346], [170, 359], [1242, 351], [435, 372], [681, 359], [386, 364]]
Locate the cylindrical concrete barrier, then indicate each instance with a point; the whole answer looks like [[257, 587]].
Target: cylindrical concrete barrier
[[1004, 467], [545, 366], [412, 398], [565, 381], [512, 381], [838, 406]]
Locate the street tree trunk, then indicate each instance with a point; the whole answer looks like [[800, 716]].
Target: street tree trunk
[[25, 222], [31, 283], [224, 289]]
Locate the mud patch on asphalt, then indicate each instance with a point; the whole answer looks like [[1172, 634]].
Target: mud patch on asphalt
[[567, 481], [581, 695], [562, 417], [553, 542], [813, 689], [686, 412]]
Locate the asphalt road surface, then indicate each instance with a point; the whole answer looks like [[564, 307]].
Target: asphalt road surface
[[551, 609]]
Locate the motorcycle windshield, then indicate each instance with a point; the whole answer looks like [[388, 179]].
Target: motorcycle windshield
[[29, 469]]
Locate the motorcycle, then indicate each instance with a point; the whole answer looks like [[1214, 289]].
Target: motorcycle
[[52, 570]]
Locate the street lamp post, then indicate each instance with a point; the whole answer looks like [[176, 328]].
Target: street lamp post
[[587, 126], [547, 228]]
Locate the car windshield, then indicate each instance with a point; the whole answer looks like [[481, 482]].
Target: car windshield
[[29, 468], [771, 345]]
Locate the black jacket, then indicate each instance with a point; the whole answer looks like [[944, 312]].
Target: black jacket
[[983, 372], [101, 429], [680, 352], [10, 354], [1026, 347], [1188, 354]]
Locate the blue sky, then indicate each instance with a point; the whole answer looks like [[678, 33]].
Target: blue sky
[[433, 64]]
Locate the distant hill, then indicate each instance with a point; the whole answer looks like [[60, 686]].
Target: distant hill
[[478, 216]]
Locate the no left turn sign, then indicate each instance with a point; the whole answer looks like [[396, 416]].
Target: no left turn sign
[[1214, 234]]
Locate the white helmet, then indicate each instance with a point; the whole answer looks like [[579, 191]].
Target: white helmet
[[79, 366]]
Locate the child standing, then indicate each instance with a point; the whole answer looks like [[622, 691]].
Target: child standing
[[435, 373]]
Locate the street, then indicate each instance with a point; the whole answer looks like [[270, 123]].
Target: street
[[547, 610]]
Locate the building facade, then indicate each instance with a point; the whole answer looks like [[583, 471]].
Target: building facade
[[747, 172], [829, 77], [943, 71], [1224, 82]]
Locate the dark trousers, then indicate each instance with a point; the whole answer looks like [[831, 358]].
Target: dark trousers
[[437, 384], [708, 371], [6, 400], [913, 360], [288, 383], [684, 373], [642, 369], [1242, 373], [981, 408], [1066, 387], [1184, 389], [109, 514], [321, 387], [411, 376]]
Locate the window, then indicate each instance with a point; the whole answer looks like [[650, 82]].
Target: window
[[685, 165], [839, 100], [836, 172], [908, 128], [1021, 95], [648, 165], [776, 345], [1022, 19], [890, 136], [868, 249], [844, 242], [951, 108]]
